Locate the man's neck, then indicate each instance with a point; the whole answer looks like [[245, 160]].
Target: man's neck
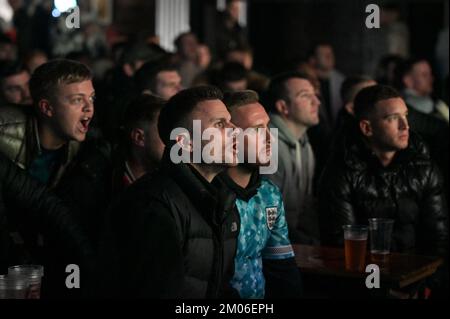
[[48, 139], [136, 167], [138, 163], [240, 174], [323, 74], [296, 129], [207, 171], [384, 157]]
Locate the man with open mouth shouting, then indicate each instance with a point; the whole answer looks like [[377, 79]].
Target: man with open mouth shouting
[[46, 141]]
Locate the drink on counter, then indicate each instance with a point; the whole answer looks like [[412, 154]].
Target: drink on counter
[[355, 244]]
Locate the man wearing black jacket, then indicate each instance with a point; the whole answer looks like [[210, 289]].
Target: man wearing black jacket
[[264, 262], [384, 170], [173, 234]]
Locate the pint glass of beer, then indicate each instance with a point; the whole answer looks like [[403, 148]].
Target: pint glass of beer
[[355, 239], [380, 240]]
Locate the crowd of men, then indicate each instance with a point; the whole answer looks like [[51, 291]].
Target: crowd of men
[[88, 176]]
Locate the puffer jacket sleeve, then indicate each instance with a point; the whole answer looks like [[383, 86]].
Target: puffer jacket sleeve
[[335, 207], [49, 213], [433, 238]]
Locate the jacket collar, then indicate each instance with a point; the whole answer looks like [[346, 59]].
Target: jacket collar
[[242, 193], [358, 155], [213, 202]]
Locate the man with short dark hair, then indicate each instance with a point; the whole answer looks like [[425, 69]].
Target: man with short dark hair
[[14, 87], [161, 80], [294, 109], [178, 237], [384, 171], [264, 262], [418, 80], [141, 149], [349, 89], [232, 76]]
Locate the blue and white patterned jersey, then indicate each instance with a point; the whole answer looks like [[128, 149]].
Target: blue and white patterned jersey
[[263, 234]]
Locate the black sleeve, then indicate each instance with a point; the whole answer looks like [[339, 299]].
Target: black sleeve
[[335, 205], [283, 278], [48, 212], [433, 216]]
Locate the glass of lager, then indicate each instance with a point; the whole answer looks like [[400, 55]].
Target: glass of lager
[[355, 241]]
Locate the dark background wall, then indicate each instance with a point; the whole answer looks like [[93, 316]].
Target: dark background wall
[[284, 30]]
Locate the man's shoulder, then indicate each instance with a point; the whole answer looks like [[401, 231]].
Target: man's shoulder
[[269, 186], [13, 127], [13, 115]]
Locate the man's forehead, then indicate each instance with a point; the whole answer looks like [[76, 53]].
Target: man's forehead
[[391, 106], [251, 109], [168, 74], [212, 108], [18, 77], [84, 87], [300, 84]]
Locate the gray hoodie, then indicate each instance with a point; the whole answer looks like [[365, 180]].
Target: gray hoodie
[[294, 177]]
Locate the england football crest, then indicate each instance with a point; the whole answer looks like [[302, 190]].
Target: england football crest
[[271, 216]]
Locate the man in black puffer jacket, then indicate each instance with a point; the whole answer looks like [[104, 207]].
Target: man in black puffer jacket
[[173, 234], [381, 170]]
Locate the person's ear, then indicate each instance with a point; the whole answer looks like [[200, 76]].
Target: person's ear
[[282, 108], [45, 108], [128, 69], [137, 137], [184, 141], [408, 81], [349, 108], [366, 128]]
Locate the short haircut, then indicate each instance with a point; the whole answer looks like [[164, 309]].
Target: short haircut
[[142, 110], [366, 99], [9, 68], [180, 106], [231, 72], [277, 88], [46, 78], [233, 100], [409, 64], [240, 47], [180, 37], [140, 51], [348, 88], [145, 77]]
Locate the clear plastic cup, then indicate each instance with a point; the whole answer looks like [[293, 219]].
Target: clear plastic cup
[[33, 273], [380, 240], [13, 287]]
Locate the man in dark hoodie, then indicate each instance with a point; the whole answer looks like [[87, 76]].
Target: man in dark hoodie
[[264, 262]]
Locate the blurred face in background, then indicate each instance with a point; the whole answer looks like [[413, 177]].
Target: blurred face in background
[[189, 47], [420, 79], [168, 83], [324, 57], [14, 88]]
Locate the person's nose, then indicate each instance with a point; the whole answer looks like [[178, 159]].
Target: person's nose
[[403, 125], [89, 106]]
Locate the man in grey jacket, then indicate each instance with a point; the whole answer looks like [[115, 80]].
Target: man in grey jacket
[[294, 108]]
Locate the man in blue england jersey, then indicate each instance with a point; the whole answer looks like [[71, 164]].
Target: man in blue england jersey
[[264, 262]]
